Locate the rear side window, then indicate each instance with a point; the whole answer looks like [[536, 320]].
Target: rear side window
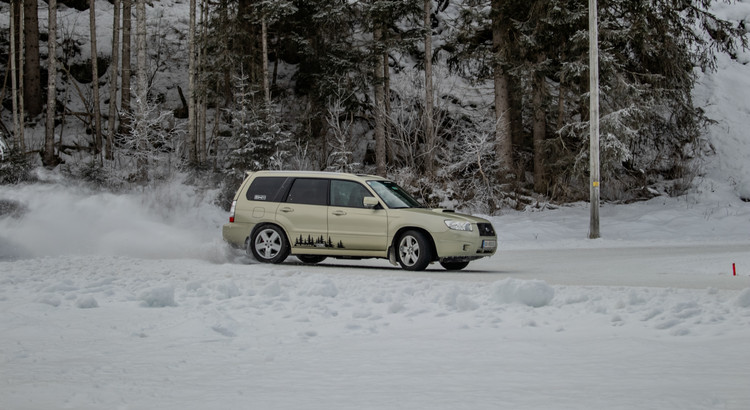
[[269, 189], [309, 191]]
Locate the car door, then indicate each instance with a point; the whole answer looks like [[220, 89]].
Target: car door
[[351, 225], [303, 214]]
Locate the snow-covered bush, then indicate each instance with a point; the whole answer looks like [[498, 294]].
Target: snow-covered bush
[[340, 137], [152, 150], [15, 167]]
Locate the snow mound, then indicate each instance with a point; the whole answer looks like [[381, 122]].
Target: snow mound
[[318, 285], [158, 297], [87, 302], [534, 293], [744, 191], [743, 299], [459, 301], [226, 290]]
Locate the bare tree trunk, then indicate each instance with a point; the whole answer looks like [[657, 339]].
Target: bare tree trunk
[[275, 74], [245, 48], [227, 87], [113, 81], [14, 72], [380, 161], [142, 90], [21, 82], [20, 51], [539, 129], [96, 111], [429, 131], [202, 148], [32, 82], [48, 158], [202, 119], [388, 127], [503, 134], [192, 143], [264, 59], [560, 104], [125, 93]]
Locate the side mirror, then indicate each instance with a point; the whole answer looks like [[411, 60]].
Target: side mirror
[[370, 202]]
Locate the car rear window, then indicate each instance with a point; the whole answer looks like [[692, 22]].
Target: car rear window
[[269, 189]]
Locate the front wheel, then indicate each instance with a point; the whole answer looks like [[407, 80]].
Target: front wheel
[[454, 265], [414, 251], [268, 244]]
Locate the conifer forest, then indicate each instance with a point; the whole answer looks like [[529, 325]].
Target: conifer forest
[[480, 104]]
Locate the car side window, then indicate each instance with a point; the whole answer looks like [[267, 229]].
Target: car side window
[[348, 194], [308, 191], [269, 189]]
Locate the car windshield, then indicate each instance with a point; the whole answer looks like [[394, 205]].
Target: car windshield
[[393, 195]]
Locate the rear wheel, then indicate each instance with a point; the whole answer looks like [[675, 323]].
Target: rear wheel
[[311, 259], [414, 251], [454, 265], [268, 244]]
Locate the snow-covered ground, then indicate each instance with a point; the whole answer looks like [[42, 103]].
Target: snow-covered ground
[[132, 301]]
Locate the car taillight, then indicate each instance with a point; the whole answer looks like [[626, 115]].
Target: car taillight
[[231, 211]]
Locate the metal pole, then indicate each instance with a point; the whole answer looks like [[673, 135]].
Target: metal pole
[[594, 176]]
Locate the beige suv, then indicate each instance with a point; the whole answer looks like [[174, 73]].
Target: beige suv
[[314, 215]]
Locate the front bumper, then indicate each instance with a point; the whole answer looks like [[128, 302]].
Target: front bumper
[[458, 245]]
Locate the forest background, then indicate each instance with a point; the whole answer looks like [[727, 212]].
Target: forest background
[[468, 103]]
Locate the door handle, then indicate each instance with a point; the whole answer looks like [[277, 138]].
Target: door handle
[[339, 213], [286, 209]]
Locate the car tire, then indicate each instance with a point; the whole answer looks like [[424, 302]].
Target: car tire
[[454, 265], [413, 251], [268, 244], [311, 259]]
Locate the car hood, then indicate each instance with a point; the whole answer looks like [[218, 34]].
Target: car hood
[[447, 213]]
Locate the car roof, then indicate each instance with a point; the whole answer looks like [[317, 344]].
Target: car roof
[[319, 174]]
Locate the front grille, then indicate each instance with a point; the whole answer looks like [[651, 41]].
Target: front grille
[[485, 229]]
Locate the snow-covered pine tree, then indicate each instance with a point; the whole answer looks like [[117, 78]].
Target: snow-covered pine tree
[[259, 138]]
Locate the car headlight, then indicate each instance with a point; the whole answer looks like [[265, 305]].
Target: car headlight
[[458, 225]]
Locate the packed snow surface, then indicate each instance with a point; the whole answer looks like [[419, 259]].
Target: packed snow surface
[[132, 301]]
